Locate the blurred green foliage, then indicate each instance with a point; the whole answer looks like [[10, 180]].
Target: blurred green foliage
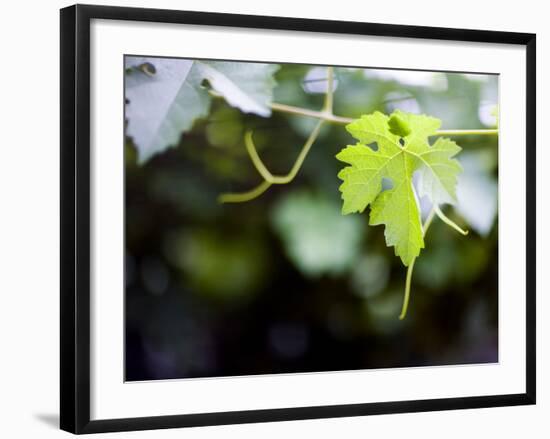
[[317, 238]]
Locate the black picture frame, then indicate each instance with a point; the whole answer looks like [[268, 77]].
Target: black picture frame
[[75, 217]]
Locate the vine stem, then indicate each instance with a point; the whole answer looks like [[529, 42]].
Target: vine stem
[[452, 133], [245, 196], [331, 118], [327, 115], [269, 178], [329, 96], [410, 268], [281, 179]]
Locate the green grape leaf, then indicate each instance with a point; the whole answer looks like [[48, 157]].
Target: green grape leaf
[[394, 148], [165, 96]]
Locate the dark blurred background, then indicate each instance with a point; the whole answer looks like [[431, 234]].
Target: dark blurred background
[[285, 283]]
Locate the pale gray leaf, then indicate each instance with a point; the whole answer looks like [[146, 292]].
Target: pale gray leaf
[[165, 96], [163, 103], [316, 81], [247, 86], [477, 194]]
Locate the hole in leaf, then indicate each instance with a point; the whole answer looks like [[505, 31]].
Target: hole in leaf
[[401, 142], [205, 83], [148, 68], [373, 146], [387, 184]]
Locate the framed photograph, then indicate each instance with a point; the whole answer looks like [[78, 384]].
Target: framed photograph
[[272, 218]]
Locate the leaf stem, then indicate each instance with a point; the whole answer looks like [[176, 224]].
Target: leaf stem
[[448, 221], [410, 268], [406, 297]]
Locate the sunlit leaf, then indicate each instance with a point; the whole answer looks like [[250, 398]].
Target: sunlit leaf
[[394, 147]]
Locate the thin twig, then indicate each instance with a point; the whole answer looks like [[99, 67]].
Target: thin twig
[[329, 95], [245, 196], [331, 118], [448, 221], [453, 133], [268, 177]]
